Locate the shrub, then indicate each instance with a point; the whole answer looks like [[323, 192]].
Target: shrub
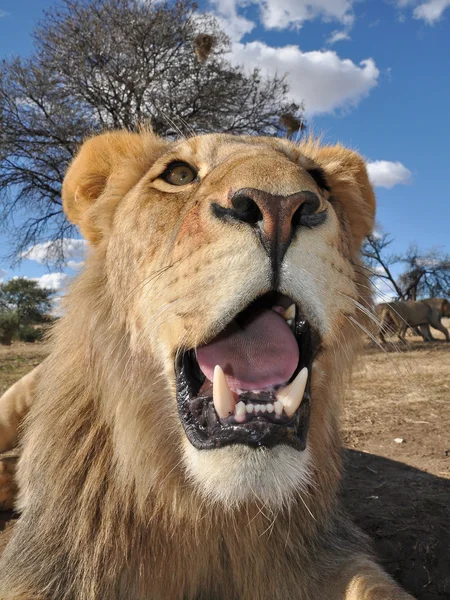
[[9, 326], [30, 334]]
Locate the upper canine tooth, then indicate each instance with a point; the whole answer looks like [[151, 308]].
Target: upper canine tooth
[[223, 399], [292, 395], [289, 313]]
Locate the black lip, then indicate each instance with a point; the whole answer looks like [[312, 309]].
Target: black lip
[[205, 431]]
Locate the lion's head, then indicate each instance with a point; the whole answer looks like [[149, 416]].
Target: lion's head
[[226, 281]]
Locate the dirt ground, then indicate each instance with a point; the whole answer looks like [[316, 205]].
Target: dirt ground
[[396, 425]]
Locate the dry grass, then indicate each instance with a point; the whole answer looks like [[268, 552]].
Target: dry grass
[[405, 394], [17, 360]]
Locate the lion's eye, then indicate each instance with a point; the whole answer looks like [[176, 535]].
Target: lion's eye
[[179, 173]]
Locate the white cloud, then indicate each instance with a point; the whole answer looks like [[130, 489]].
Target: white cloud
[[50, 251], [57, 310], [431, 11], [428, 262], [3, 13], [384, 173], [322, 79], [383, 290], [75, 264], [281, 14], [378, 270], [338, 36], [54, 281], [234, 25], [286, 14], [2, 274]]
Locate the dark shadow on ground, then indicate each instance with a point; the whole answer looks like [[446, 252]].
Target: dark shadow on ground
[[406, 512]]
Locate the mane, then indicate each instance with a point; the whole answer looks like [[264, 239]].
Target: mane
[[104, 428], [114, 477]]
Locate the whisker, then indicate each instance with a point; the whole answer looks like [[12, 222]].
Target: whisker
[[366, 331], [171, 123], [306, 506], [385, 328]]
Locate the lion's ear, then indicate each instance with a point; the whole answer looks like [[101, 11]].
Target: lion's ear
[[346, 174], [106, 167]]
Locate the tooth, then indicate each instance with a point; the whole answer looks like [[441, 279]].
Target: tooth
[[289, 313], [262, 408], [240, 408], [223, 399], [278, 408], [292, 395], [249, 407], [270, 408], [240, 412]]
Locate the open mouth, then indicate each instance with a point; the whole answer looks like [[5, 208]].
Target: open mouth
[[251, 383]]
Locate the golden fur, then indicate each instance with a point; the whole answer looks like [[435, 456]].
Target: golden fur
[[116, 504]]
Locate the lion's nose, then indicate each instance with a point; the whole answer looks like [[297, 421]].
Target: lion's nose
[[276, 218]]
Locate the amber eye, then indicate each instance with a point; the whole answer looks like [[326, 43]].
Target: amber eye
[[179, 173]]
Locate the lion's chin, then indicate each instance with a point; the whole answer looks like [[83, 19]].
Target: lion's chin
[[238, 475]]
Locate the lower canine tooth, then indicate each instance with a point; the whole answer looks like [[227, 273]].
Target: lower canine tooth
[[223, 399], [292, 395], [278, 407]]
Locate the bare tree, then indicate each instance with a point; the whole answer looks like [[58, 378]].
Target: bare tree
[[101, 64], [379, 262], [425, 273]]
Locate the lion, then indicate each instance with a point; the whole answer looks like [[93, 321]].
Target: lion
[[183, 441], [14, 404], [398, 316]]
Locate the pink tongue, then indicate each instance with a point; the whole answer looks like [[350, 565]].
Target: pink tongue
[[255, 355]]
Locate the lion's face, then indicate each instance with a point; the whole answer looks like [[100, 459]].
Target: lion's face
[[232, 260]]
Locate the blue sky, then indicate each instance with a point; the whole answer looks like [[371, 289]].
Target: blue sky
[[374, 75]]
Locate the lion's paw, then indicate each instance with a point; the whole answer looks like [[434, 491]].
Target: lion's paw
[[8, 487]]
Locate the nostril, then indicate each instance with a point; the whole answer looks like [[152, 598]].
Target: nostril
[[311, 203], [246, 209], [308, 207]]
